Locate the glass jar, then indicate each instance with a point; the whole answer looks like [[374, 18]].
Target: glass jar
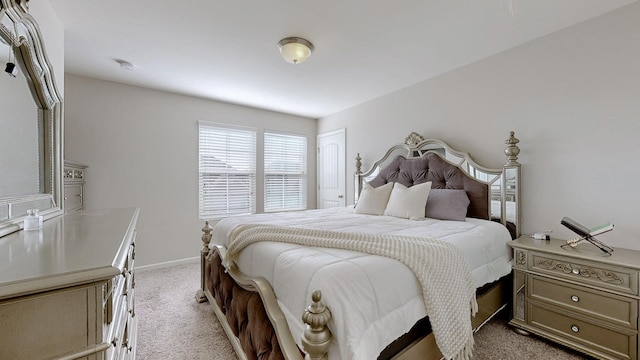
[[33, 221]]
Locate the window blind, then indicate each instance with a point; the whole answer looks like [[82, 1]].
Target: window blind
[[227, 171], [285, 172]]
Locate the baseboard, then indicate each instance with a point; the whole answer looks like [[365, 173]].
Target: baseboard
[[167, 264]]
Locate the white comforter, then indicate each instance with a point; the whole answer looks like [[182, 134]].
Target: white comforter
[[373, 299]]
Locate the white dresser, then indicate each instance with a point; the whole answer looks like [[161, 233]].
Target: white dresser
[[67, 291]]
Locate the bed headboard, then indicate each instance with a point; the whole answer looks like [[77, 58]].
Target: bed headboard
[[493, 193]]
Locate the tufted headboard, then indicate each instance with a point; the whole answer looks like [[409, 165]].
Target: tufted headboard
[[493, 193], [442, 174]]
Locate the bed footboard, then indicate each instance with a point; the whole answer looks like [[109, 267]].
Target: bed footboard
[[248, 311]]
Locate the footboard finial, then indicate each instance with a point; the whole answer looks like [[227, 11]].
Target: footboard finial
[[206, 236], [206, 239], [316, 336]]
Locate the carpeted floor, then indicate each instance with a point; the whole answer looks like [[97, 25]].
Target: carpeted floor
[[172, 325]]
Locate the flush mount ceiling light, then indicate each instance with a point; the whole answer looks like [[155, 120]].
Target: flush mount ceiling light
[[125, 64], [295, 50]]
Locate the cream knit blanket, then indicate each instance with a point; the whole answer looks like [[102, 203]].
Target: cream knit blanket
[[447, 288]]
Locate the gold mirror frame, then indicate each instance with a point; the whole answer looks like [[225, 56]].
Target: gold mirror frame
[[21, 32]]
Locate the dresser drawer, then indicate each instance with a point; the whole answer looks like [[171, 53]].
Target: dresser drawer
[[131, 256], [132, 304], [608, 307], [132, 341], [130, 264], [601, 275], [127, 349], [117, 334], [130, 331], [72, 197], [618, 344], [50, 325]]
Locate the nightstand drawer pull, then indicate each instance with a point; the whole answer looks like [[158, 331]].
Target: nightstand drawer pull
[[575, 271], [575, 298], [575, 329]]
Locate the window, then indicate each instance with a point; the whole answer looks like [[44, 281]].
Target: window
[[285, 172], [227, 171]]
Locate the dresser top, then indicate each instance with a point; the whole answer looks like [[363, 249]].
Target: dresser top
[[71, 249], [584, 250]]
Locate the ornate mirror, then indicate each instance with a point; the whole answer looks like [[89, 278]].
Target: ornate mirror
[[31, 125]]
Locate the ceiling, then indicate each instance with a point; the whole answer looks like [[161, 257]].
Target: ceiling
[[364, 49]]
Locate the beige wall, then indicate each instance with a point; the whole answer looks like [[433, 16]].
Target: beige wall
[[141, 146], [573, 99]]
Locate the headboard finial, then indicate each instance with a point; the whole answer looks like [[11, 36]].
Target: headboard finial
[[358, 164], [512, 149], [413, 139]]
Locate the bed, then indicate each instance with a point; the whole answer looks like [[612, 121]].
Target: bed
[[339, 283]]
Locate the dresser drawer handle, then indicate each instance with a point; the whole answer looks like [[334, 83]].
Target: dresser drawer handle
[[575, 298], [575, 271], [575, 328]]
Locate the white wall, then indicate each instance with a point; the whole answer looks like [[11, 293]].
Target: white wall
[[573, 99], [141, 146]]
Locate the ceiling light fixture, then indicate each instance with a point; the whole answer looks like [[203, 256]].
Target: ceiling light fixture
[[125, 64], [295, 50]]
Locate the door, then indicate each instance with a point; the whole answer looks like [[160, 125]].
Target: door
[[331, 169]]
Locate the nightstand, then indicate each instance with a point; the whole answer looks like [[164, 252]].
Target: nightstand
[[578, 297]]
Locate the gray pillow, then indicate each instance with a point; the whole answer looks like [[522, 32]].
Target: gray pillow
[[447, 204]]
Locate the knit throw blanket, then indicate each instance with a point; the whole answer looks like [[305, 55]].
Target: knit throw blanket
[[447, 288]]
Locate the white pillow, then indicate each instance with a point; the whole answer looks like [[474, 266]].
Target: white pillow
[[408, 202], [372, 200]]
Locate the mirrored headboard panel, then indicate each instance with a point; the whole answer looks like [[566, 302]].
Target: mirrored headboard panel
[[31, 127]]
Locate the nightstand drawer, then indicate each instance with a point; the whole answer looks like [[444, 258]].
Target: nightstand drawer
[[617, 344], [608, 307], [72, 197], [611, 277]]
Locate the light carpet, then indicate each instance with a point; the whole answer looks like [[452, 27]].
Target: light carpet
[[172, 325]]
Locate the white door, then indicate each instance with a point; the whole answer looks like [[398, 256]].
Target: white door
[[331, 169]]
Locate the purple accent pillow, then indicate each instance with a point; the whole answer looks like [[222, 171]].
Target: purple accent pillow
[[447, 204]]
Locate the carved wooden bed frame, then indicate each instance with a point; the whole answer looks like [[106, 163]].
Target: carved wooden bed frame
[[239, 300]]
